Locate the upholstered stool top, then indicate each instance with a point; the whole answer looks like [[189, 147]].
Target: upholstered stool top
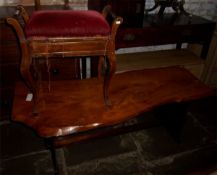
[[66, 23]]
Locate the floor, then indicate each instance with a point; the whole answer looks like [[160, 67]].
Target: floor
[[151, 151]]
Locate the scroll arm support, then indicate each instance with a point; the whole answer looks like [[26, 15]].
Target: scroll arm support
[[115, 25], [26, 60], [111, 59], [20, 10], [107, 10]]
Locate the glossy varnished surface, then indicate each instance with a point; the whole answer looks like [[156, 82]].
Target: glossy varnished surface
[[75, 106]]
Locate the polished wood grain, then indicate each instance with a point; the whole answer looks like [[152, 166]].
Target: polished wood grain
[[76, 106]]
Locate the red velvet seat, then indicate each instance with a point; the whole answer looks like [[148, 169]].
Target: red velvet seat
[[66, 23]]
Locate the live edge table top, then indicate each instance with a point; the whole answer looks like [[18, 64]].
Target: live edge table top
[[77, 105]]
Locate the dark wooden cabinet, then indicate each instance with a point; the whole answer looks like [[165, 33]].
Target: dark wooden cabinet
[[150, 29], [169, 29], [139, 29], [132, 11]]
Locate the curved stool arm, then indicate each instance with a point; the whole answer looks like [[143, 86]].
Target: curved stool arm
[[20, 11], [26, 59]]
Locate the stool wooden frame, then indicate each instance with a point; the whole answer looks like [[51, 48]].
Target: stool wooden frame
[[102, 46]]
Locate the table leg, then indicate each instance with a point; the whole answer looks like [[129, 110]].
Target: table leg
[[50, 146]]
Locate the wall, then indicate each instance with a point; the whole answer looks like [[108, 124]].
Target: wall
[[76, 4], [205, 8]]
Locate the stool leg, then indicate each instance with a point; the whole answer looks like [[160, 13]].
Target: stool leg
[[26, 61], [101, 68], [50, 146], [111, 67]]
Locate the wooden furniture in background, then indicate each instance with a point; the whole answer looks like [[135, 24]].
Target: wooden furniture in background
[[132, 11], [168, 30], [152, 30]]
